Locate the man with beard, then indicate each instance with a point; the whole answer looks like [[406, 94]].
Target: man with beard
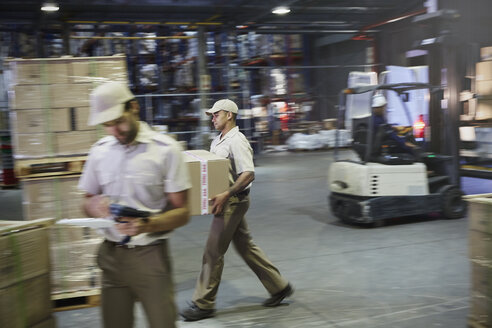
[[140, 168]]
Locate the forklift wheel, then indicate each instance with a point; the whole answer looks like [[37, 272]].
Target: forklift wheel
[[341, 210], [453, 205]]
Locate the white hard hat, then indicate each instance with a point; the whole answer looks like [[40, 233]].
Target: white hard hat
[[378, 100], [223, 104], [108, 102]]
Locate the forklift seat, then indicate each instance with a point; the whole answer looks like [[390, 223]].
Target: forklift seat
[[379, 141], [359, 135]]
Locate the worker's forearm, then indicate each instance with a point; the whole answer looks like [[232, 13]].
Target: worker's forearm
[[168, 220], [242, 182], [96, 206]]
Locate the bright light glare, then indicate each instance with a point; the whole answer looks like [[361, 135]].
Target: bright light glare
[[49, 6], [282, 10]]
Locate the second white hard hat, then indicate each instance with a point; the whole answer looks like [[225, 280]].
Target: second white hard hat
[[378, 100]]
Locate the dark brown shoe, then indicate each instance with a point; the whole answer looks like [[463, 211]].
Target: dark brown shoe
[[276, 299], [194, 313]]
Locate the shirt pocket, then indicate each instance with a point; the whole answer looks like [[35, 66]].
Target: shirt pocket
[[147, 187], [145, 178]]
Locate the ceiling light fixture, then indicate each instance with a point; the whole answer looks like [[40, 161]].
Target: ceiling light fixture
[[281, 10], [50, 6]]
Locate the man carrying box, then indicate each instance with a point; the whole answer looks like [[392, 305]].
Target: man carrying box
[[229, 224], [139, 168]]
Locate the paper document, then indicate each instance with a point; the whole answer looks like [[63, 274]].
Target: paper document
[[89, 222]]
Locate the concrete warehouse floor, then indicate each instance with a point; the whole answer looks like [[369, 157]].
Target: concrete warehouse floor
[[408, 273]]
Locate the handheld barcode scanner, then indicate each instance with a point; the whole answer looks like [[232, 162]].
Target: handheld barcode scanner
[[121, 211]]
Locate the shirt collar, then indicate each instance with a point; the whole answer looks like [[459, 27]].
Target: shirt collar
[[145, 133], [231, 133]]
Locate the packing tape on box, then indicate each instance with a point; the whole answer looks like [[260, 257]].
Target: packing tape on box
[[203, 183]]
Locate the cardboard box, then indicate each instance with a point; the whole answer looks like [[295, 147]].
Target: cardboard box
[[26, 308], [40, 120], [34, 211], [209, 177], [70, 95], [39, 71], [29, 97], [74, 265], [40, 190], [113, 70], [52, 197], [24, 72], [481, 277], [63, 233], [330, 123], [483, 71], [81, 118], [480, 246], [81, 71], [33, 145], [57, 71], [69, 188], [77, 279], [74, 142], [483, 110], [484, 87], [99, 69], [480, 310], [25, 252], [479, 209], [27, 121], [486, 53]]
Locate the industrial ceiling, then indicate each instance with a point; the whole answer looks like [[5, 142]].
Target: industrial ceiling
[[321, 16]]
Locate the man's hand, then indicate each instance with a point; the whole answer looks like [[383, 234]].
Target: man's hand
[[218, 202], [130, 226]]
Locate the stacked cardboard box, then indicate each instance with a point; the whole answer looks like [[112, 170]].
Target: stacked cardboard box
[[483, 87], [52, 197], [49, 108], [480, 251], [72, 249], [49, 102], [25, 299]]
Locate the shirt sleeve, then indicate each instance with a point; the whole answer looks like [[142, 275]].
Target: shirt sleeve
[[242, 153], [88, 180], [177, 177]]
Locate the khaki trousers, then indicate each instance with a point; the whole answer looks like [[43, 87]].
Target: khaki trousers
[[232, 226], [142, 273]]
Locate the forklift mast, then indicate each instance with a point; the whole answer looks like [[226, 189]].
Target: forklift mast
[[445, 70]]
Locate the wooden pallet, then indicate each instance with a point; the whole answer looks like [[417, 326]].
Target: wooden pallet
[[76, 300], [52, 166]]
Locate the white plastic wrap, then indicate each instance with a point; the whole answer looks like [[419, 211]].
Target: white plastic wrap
[[323, 139]]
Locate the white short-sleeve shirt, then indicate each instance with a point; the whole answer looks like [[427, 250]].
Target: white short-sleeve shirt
[[235, 147], [137, 175]]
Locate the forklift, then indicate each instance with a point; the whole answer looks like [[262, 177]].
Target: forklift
[[385, 183]]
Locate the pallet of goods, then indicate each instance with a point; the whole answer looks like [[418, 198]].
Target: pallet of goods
[[49, 109], [25, 300], [480, 253]]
